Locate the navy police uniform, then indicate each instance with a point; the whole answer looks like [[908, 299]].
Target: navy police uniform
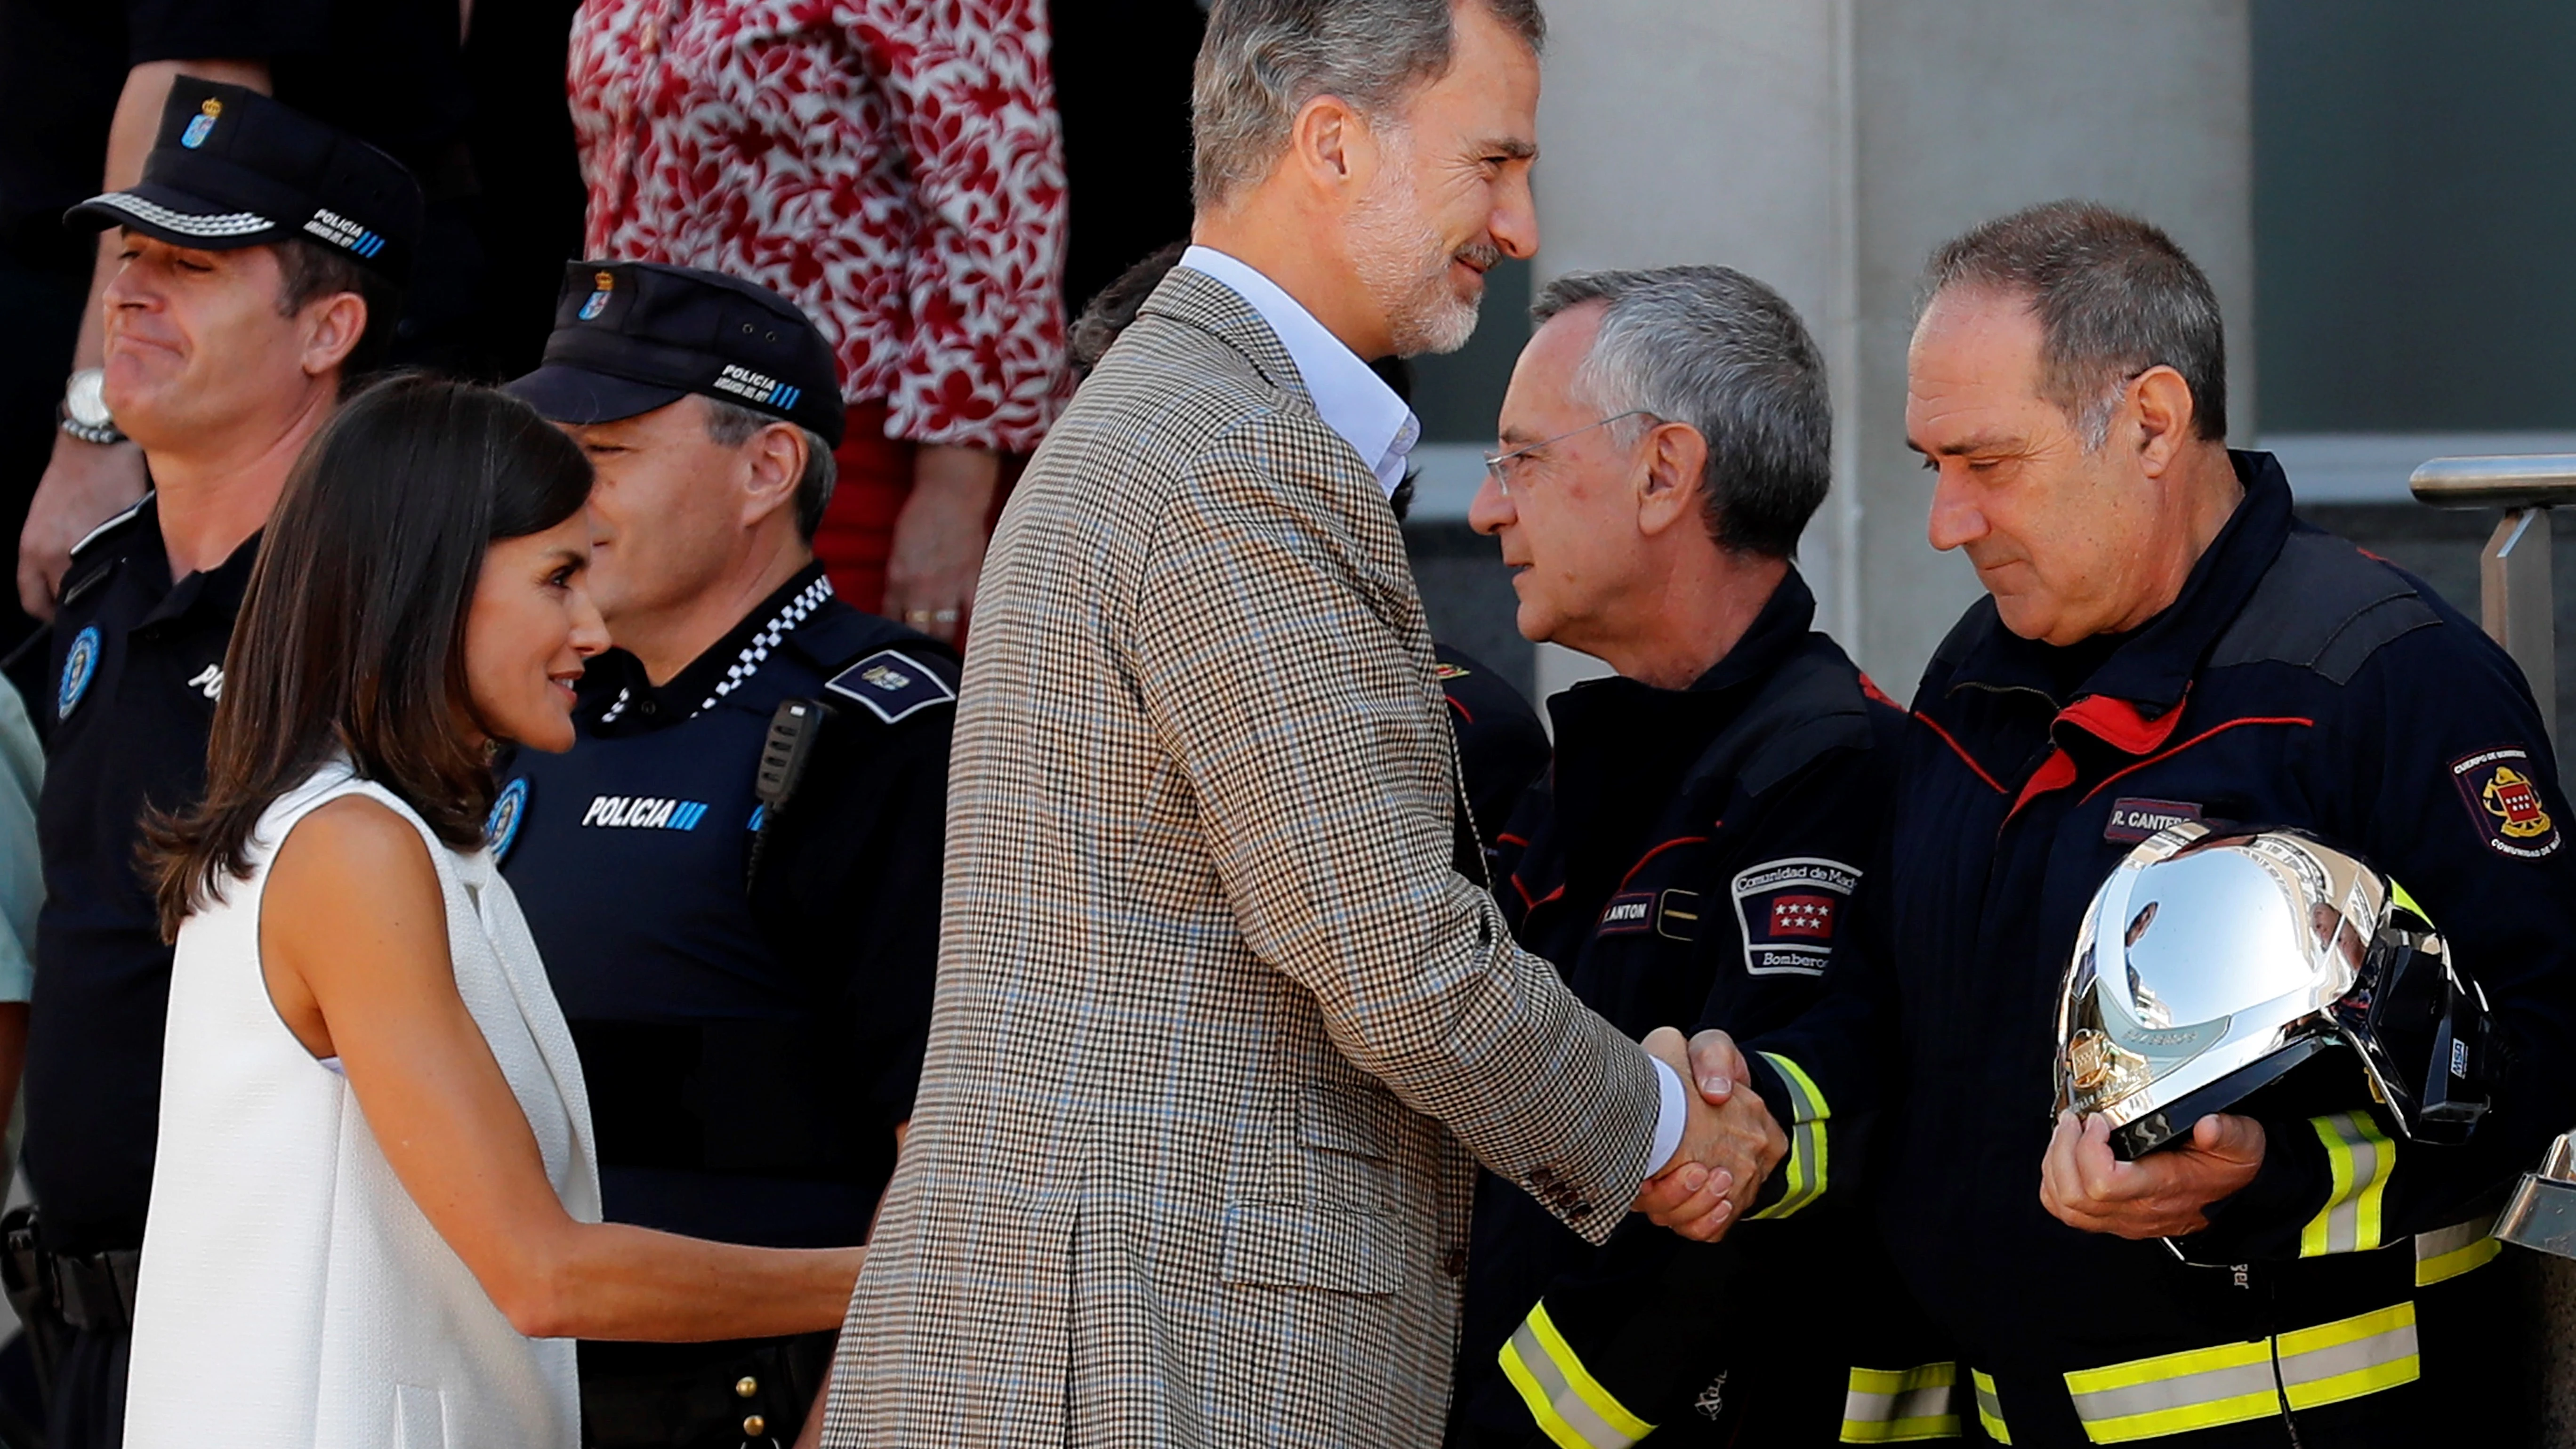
[[137, 665], [2295, 681], [733, 877], [750, 1041], [1696, 860]]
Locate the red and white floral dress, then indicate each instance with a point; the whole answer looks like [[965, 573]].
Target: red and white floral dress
[[895, 167]]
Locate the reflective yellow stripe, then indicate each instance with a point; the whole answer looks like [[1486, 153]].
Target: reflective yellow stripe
[[1571, 1407], [2361, 1157], [2234, 1383], [1990, 1407], [1896, 1406], [1804, 1168], [2446, 1253], [2397, 895]]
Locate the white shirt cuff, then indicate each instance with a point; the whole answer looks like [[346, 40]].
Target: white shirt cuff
[[1670, 1114]]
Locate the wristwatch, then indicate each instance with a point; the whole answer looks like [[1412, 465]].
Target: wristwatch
[[85, 414]]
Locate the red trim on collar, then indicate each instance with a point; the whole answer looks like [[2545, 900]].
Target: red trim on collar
[[1869, 688], [2054, 773], [2196, 739], [1961, 751], [2117, 723], [1649, 855]]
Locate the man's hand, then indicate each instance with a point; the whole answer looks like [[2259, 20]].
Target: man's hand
[[1716, 1065], [1729, 1145], [939, 539], [2164, 1194], [84, 486]]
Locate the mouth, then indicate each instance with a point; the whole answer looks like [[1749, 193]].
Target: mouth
[[1478, 260], [129, 339]]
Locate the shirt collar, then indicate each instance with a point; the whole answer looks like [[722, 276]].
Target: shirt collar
[[1351, 399], [220, 588], [725, 665], [1778, 628]]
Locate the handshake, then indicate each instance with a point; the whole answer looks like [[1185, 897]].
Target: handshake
[[1729, 1145]]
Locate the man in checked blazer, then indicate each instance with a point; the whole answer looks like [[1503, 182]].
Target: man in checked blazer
[[1218, 1023]]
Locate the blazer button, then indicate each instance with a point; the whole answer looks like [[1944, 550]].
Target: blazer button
[[1454, 1262], [753, 1425], [745, 1387]]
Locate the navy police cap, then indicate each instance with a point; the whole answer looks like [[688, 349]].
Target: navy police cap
[[233, 168], [634, 336]]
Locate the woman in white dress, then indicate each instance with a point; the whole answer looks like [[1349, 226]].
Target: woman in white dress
[[375, 1217]]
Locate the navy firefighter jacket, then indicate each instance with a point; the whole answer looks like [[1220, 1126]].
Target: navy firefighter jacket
[[1693, 860], [2295, 681]]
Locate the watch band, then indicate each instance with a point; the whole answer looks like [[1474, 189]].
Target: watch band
[[105, 436]]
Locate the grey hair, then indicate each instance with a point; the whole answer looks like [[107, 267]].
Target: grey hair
[[1263, 59], [2114, 297], [730, 425], [1712, 348]]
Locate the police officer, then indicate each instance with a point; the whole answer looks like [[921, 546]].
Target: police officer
[[1696, 856], [734, 874], [2164, 642], [264, 255]]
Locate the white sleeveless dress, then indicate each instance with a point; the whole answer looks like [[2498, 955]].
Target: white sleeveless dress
[[291, 1293]]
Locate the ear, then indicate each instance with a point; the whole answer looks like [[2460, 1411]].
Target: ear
[[776, 457], [333, 326], [1668, 493], [1332, 146], [2165, 417]]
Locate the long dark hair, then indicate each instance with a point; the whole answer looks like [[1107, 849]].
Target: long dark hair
[[351, 637]]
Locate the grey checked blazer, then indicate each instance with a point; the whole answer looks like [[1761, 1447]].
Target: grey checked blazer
[[1215, 1014]]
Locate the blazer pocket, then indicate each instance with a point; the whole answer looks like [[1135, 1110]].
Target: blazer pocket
[[1288, 1245], [1346, 1122]]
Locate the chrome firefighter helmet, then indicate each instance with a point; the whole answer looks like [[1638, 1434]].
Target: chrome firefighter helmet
[[2209, 965]]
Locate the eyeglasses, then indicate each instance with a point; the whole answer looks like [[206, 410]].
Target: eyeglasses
[[1494, 462]]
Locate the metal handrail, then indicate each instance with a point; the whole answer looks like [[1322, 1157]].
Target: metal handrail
[[2536, 480], [2514, 592]]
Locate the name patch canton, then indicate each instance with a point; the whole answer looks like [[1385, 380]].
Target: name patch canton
[[893, 685], [1789, 911]]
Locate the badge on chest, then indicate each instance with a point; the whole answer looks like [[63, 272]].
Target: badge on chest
[[1790, 912]]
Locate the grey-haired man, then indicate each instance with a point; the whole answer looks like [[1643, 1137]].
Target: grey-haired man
[[1700, 852], [1218, 1024]]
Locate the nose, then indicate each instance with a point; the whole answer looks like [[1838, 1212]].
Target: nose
[[1514, 223], [1491, 509], [124, 289], [589, 630], [1956, 519]]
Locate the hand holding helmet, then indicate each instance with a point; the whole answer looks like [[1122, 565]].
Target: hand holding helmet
[[2208, 967]]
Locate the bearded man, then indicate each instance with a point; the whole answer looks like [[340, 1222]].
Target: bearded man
[[1219, 1021]]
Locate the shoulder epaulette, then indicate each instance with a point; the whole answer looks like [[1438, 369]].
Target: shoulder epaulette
[[111, 526], [2324, 606], [896, 684], [89, 564]]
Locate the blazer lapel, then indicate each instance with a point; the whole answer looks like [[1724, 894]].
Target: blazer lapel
[[1201, 301]]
